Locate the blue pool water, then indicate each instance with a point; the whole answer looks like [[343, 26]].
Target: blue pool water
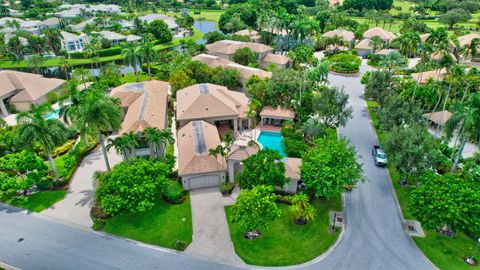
[[272, 140], [53, 115]]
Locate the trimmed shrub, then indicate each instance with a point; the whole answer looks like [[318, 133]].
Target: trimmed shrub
[[101, 53], [226, 188], [345, 63], [44, 184], [99, 224], [174, 193], [180, 245]]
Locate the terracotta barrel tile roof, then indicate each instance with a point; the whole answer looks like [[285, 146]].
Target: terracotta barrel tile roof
[[347, 36], [30, 87], [439, 118], [277, 112], [231, 46], [382, 33], [278, 59]]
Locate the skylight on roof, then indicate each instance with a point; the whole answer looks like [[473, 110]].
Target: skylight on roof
[[135, 87], [198, 138], [203, 89]]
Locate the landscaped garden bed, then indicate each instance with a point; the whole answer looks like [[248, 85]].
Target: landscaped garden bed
[[345, 63], [285, 243]]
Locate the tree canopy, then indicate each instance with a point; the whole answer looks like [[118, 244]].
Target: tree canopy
[[263, 168]]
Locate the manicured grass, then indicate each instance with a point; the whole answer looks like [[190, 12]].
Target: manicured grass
[[130, 77], [37, 202], [285, 243], [77, 62], [445, 253], [162, 226], [205, 15]]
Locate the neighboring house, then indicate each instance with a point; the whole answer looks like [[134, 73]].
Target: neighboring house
[[347, 36], [172, 25], [126, 24], [214, 104], [14, 12], [245, 72], [30, 26], [386, 51], [278, 60], [22, 89], [73, 10], [133, 38], [438, 56], [364, 48], [79, 27], [385, 35], [252, 34], [238, 153], [74, 43], [112, 37], [424, 77], [50, 23], [144, 104], [226, 48], [196, 167]]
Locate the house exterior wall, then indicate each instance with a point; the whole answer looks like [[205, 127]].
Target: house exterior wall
[[364, 52]]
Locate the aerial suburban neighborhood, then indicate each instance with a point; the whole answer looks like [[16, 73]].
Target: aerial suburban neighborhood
[[240, 134]]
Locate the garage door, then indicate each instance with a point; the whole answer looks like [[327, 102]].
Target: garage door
[[203, 181]]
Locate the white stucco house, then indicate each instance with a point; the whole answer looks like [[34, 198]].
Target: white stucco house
[[74, 43]]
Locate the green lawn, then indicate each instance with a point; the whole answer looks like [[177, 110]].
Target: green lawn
[[285, 243], [162, 226], [445, 253], [205, 15], [130, 77], [37, 202]]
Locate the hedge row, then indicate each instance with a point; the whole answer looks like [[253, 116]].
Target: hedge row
[[101, 53]]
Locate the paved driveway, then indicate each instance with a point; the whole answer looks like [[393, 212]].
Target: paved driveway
[[211, 236], [75, 208]]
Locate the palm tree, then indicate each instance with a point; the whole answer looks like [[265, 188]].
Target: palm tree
[[35, 129], [166, 138], [90, 51], [465, 119], [133, 57], [154, 140], [408, 44], [148, 54], [392, 60], [54, 38], [376, 42], [101, 114], [301, 209], [121, 146], [131, 139], [83, 74], [36, 61], [312, 129], [219, 150], [470, 49], [64, 66]]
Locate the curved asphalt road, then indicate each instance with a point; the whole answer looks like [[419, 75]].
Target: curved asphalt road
[[373, 237]]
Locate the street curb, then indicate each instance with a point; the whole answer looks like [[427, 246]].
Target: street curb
[[400, 212]]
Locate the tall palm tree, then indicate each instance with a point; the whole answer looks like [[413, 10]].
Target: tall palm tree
[[465, 119], [154, 140], [54, 38], [148, 54], [376, 42], [64, 66], [121, 146], [392, 60], [312, 129], [36, 61], [35, 129], [101, 114], [166, 138], [90, 51], [84, 75], [132, 56], [408, 44]]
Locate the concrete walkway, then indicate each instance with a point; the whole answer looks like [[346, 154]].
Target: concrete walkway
[[75, 208], [211, 236]]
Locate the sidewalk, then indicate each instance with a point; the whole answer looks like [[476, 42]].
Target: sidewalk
[[75, 208]]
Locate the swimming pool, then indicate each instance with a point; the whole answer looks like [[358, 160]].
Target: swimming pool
[[272, 140], [53, 115]]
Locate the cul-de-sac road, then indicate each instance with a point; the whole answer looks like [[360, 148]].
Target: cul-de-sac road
[[373, 238]]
